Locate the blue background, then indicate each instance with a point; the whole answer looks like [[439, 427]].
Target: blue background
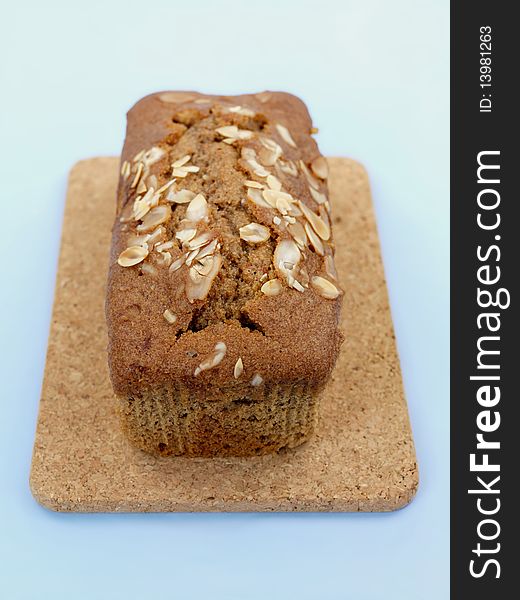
[[375, 77]]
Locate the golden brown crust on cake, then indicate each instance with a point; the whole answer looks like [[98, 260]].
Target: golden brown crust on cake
[[222, 285]]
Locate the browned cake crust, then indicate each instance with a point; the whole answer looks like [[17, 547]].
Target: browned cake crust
[[222, 302]]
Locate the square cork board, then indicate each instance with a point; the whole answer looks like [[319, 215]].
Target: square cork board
[[361, 457]]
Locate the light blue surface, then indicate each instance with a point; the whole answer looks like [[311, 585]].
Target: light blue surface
[[375, 76]]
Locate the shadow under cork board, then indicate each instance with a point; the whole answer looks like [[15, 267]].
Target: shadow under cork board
[[361, 458]]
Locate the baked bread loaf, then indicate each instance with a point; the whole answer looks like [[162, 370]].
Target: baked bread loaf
[[223, 301]]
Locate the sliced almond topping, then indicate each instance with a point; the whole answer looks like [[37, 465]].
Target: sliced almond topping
[[177, 264], [208, 249], [270, 152], [151, 182], [286, 256], [200, 240], [257, 380], [132, 256], [314, 240], [197, 209], [311, 180], [253, 184], [181, 161], [138, 240], [138, 156], [214, 359], [320, 168], [285, 134], [156, 216], [169, 316], [165, 259], [242, 110], [148, 268], [153, 155], [204, 266], [256, 198], [324, 287], [234, 133], [138, 174], [156, 235], [141, 187], [298, 233], [274, 183], [318, 224], [249, 155], [272, 287], [287, 167], [162, 247], [239, 368], [191, 257], [317, 196], [199, 290], [180, 197], [273, 196], [185, 235], [254, 233], [277, 220], [125, 169], [176, 97], [167, 185], [330, 267]]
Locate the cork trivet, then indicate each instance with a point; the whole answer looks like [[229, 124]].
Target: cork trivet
[[361, 458]]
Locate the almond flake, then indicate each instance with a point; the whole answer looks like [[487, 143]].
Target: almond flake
[[254, 233], [156, 235], [314, 240], [132, 256], [256, 198], [241, 110], [324, 287], [318, 224], [272, 287], [138, 174], [197, 209], [208, 249], [288, 167], [201, 240], [318, 197], [320, 168], [125, 169], [273, 196], [270, 152], [286, 258], [253, 184], [274, 183], [311, 180], [204, 266], [148, 268], [181, 161], [161, 247], [200, 289], [238, 369], [185, 235], [177, 264], [330, 267], [214, 359], [166, 186], [285, 134], [153, 155], [234, 133], [156, 216], [298, 233], [169, 316], [257, 380], [277, 220], [180, 197]]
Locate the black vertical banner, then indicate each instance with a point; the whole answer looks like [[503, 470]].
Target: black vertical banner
[[485, 268]]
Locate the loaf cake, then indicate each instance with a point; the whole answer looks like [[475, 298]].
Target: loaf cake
[[223, 300]]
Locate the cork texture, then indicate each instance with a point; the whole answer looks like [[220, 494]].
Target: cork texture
[[361, 457]]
